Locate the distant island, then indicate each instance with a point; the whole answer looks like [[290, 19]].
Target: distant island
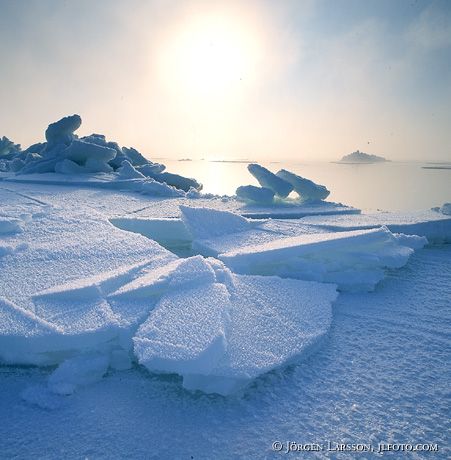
[[361, 157]]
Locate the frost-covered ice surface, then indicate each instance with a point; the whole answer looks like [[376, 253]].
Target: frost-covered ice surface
[[434, 224], [142, 301], [381, 375]]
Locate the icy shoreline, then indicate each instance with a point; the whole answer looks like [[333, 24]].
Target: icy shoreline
[[108, 261], [98, 296]]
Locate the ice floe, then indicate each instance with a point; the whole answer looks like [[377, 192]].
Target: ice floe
[[203, 333], [433, 224], [353, 260]]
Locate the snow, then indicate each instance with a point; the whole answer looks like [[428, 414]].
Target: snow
[[307, 189], [86, 287], [269, 180], [256, 194], [134, 334], [384, 350]]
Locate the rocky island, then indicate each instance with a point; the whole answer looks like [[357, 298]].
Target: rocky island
[[361, 157]]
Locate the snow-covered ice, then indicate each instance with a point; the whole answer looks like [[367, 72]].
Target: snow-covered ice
[[432, 224], [122, 284], [203, 332], [67, 155], [386, 353], [354, 260]]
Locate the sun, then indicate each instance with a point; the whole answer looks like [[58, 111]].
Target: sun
[[210, 56]]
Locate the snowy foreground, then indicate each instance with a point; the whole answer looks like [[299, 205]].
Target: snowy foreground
[[123, 293], [163, 323]]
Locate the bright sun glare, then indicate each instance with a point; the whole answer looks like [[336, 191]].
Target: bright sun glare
[[210, 56]]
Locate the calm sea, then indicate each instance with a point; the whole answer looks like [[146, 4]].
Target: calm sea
[[384, 186]]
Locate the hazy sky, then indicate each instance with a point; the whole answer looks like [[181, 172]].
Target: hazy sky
[[233, 79]]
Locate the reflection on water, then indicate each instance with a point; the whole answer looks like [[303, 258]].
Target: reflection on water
[[386, 186]]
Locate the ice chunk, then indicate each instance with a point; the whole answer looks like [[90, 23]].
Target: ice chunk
[[446, 209], [8, 148], [151, 169], [78, 371], [205, 222], [23, 335], [16, 164], [80, 152], [221, 335], [61, 132], [307, 189], [354, 260], [135, 158], [127, 171], [177, 181], [269, 180], [94, 165], [171, 233], [69, 167], [78, 311], [120, 360], [185, 333], [257, 194], [271, 322], [180, 272], [154, 188]]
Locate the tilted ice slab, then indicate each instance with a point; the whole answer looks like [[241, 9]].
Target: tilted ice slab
[[306, 188], [354, 260], [256, 194], [223, 332], [187, 316], [166, 231], [433, 224], [51, 282], [271, 322], [269, 180], [207, 222], [185, 333]]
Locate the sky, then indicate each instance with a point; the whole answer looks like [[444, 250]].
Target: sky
[[261, 79]]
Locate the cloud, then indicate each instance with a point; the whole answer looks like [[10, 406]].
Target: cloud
[[432, 28]]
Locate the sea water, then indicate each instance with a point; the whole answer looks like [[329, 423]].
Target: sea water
[[386, 186]]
